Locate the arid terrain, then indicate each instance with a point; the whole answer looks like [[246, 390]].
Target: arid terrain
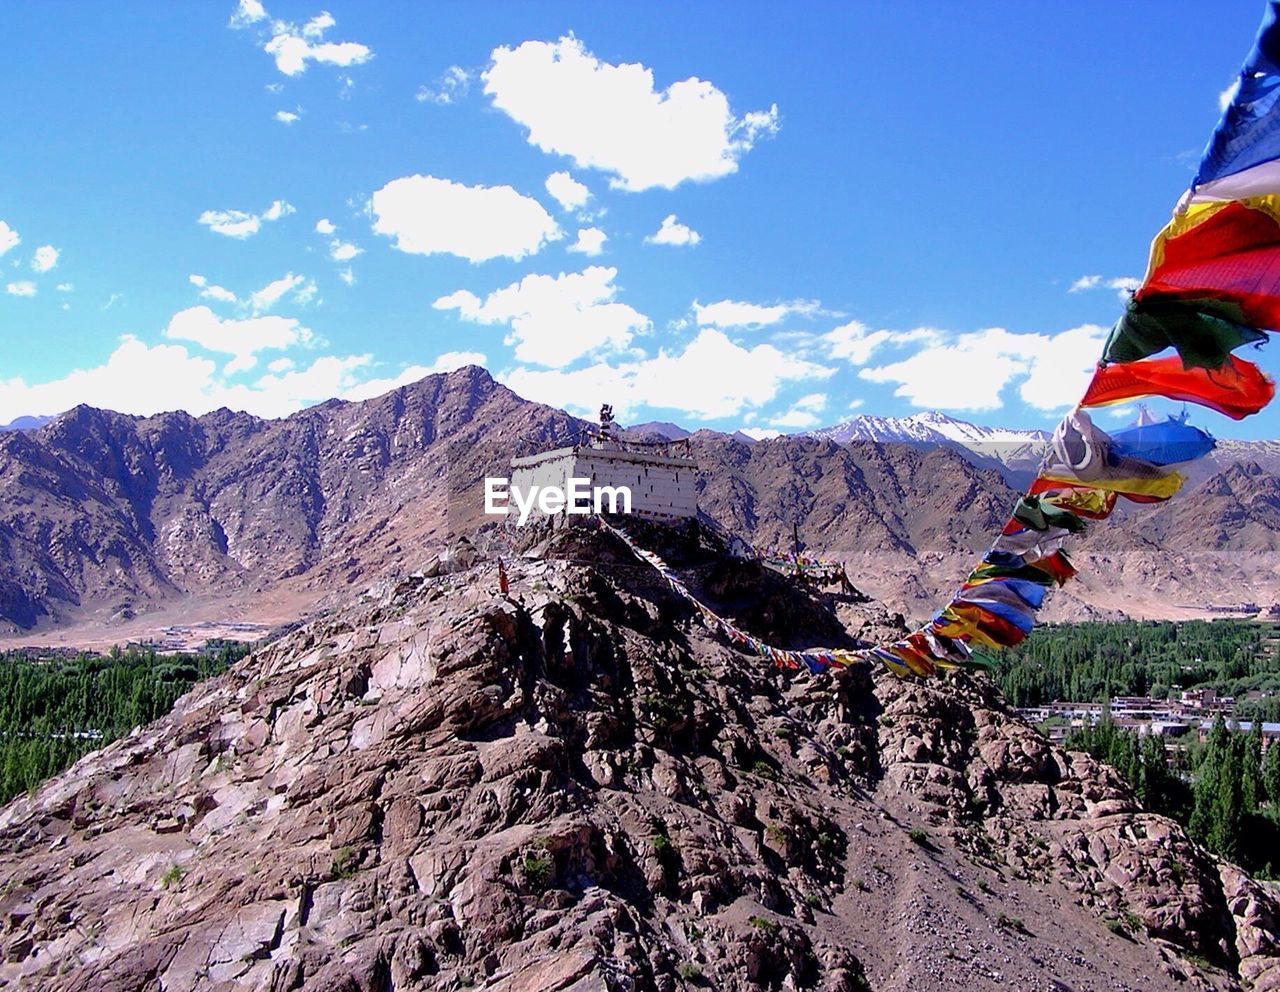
[[578, 787]]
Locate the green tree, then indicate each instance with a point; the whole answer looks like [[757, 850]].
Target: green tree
[[1271, 774], [1252, 792], [1208, 777]]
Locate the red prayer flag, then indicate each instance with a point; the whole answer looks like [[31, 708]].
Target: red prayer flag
[[1237, 389]]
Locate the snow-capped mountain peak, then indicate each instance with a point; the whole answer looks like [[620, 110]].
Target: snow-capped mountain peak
[[928, 427]]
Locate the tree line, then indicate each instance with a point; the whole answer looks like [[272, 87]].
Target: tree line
[[55, 710], [1089, 662], [1227, 795]]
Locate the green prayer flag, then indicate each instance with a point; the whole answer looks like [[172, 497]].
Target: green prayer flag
[[1204, 332]]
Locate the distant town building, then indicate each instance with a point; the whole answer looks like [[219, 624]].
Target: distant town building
[[1191, 716]]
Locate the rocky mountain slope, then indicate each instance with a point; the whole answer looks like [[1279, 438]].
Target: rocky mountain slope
[[112, 527], [910, 522], [578, 788], [103, 515]]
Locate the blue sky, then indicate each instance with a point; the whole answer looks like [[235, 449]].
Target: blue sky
[[718, 214]]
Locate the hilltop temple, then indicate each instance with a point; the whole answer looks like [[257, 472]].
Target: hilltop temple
[[662, 478]]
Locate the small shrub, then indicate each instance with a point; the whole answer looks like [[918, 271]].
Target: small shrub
[[813, 901], [764, 770], [689, 971], [918, 836], [668, 856], [172, 877], [760, 923], [344, 863], [1011, 923], [536, 870]]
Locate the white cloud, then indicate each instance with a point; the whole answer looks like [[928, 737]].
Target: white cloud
[[568, 192], [343, 251], [347, 276], [612, 118], [240, 223], [219, 293], [65, 287], [855, 343], [318, 25], [590, 241], [278, 209], [1229, 94], [325, 226], [759, 433], [303, 291], [141, 379], [804, 413], [23, 287], [555, 319], [292, 53], [287, 116], [428, 216], [797, 420], [1124, 285], [743, 378], [242, 339], [732, 313], [447, 362], [293, 48], [971, 371], [452, 86], [672, 232], [248, 12], [210, 291], [8, 238], [1061, 366], [44, 259]]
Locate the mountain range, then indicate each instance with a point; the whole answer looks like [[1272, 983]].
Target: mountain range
[[112, 527]]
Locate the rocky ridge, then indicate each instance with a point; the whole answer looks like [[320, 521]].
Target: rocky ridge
[[577, 787]]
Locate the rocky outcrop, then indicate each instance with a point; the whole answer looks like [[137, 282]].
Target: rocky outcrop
[[577, 787]]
